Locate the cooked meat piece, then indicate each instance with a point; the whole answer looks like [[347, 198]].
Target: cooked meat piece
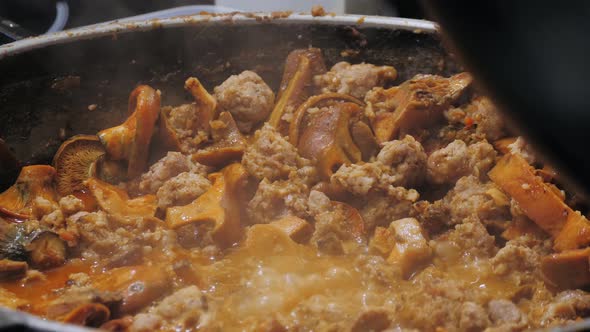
[[520, 260], [468, 242], [400, 163], [473, 317], [486, 118], [182, 189], [381, 208], [355, 80], [407, 161], [521, 148], [184, 121], [338, 230], [42, 207], [271, 156], [183, 309], [247, 97], [277, 199], [470, 197], [46, 250], [457, 159], [318, 202], [359, 179], [505, 312], [70, 204], [168, 167]]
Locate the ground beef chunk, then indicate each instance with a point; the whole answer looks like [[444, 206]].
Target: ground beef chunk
[[448, 164], [473, 317], [184, 120], [467, 241], [359, 179], [337, 230], [166, 168], [381, 208], [101, 236], [182, 189], [471, 198], [42, 207], [247, 98], [184, 309], [400, 163], [520, 258], [486, 118], [70, 204], [407, 161], [277, 199], [355, 80], [506, 314], [271, 156]]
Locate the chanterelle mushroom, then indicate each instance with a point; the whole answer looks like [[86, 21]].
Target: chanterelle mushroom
[[416, 103], [218, 209], [300, 67], [325, 137], [228, 143], [131, 140], [33, 182], [116, 202], [73, 162]]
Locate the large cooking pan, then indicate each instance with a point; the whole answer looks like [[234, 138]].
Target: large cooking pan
[[48, 82]]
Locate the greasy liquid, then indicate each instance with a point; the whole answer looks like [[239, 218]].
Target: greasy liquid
[[269, 276]]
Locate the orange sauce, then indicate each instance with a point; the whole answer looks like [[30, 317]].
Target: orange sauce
[[37, 292]]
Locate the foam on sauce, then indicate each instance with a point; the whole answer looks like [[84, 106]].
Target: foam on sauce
[[269, 276]]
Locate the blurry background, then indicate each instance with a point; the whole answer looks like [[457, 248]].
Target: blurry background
[[39, 16]]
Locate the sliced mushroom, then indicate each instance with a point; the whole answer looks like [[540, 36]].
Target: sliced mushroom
[[130, 141], [326, 139], [88, 314], [363, 137], [203, 112], [323, 100], [12, 270], [32, 182], [74, 162], [228, 143], [218, 209], [46, 250], [116, 201], [139, 286], [567, 270], [300, 67], [416, 103]]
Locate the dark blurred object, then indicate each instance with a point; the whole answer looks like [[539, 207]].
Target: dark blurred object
[[534, 58]]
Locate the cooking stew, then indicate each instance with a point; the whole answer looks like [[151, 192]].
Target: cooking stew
[[337, 202]]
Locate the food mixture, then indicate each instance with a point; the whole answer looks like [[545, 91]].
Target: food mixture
[[341, 200]]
